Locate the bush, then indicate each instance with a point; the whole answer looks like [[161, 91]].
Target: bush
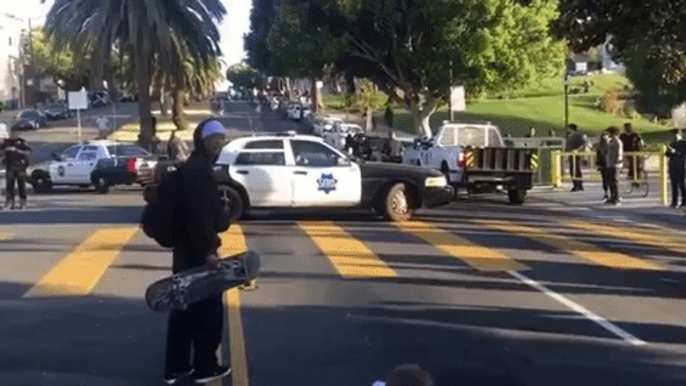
[[610, 102]]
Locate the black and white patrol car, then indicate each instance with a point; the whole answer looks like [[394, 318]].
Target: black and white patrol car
[[101, 164], [299, 171]]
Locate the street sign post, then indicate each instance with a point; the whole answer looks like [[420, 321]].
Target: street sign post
[[78, 100]]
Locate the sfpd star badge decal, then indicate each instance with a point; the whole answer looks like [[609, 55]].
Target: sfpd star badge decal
[[327, 183]]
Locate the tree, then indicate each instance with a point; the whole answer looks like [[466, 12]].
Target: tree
[[367, 99], [59, 63], [148, 27], [648, 37], [243, 76], [406, 47]]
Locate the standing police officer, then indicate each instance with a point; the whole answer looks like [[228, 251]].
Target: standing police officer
[[16, 159], [677, 170]]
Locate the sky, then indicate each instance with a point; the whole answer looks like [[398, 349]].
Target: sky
[[235, 24]]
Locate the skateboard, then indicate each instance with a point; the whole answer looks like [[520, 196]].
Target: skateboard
[[176, 292]]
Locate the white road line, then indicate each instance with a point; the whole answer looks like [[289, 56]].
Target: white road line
[[602, 322]]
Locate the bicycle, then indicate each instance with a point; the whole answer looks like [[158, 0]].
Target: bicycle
[[639, 185]]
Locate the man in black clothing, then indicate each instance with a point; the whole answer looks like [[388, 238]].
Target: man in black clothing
[[575, 142], [632, 142], [16, 160], [677, 170], [199, 219]]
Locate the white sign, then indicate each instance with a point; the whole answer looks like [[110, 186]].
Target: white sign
[[320, 84], [581, 67], [78, 100], [457, 100]]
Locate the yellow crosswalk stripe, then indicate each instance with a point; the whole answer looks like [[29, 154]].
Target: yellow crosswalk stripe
[[233, 242], [5, 236], [477, 256], [350, 256], [79, 271], [579, 248], [638, 236]]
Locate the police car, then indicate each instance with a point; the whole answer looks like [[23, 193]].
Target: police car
[[101, 164], [301, 171]]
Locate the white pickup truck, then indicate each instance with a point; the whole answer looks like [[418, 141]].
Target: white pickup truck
[[474, 156]]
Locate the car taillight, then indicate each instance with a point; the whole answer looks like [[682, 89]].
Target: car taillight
[[131, 165], [460, 160]]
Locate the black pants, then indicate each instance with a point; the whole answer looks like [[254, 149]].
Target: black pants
[[199, 327], [634, 162], [603, 175], [678, 179], [612, 183], [16, 177], [575, 163]]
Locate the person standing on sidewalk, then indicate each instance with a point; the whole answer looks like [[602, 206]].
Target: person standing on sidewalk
[[632, 142], [16, 160], [200, 218], [613, 162], [575, 142], [601, 163], [677, 170]]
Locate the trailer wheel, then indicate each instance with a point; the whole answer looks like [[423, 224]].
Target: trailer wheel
[[516, 196]]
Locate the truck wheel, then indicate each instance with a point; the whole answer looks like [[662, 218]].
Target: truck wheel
[[42, 184], [102, 186], [516, 196], [396, 204], [232, 201]]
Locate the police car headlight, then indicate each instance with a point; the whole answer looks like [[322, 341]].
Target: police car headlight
[[435, 182]]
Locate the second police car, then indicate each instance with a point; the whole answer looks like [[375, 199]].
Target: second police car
[[101, 164], [299, 171]]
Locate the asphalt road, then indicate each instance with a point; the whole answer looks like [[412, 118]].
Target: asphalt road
[[559, 291]]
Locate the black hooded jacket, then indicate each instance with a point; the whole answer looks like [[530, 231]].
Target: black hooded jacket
[[200, 217]]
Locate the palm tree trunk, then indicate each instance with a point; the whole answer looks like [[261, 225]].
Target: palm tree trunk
[[143, 78], [178, 108]]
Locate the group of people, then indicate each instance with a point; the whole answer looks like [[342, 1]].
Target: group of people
[[610, 155]]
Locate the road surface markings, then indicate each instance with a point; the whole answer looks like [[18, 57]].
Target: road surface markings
[[5, 236], [581, 249], [602, 322], [233, 242], [350, 256], [481, 258], [638, 236], [79, 271]]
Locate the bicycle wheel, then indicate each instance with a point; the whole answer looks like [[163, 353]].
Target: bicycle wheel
[[645, 185], [626, 183]]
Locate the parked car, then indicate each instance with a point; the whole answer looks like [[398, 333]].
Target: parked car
[[299, 112], [30, 119], [325, 125], [337, 135], [57, 111]]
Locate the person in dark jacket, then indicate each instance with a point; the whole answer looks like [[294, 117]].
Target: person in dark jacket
[[632, 142], [677, 170], [576, 142], [15, 153], [200, 218]]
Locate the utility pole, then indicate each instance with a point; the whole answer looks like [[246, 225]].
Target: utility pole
[[450, 92]]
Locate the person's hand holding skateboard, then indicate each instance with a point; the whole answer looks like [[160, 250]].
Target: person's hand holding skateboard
[[212, 262]]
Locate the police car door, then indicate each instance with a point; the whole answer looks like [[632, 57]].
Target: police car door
[[323, 176], [58, 169], [260, 168], [80, 170]]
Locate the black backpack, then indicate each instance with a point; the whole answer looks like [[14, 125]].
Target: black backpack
[[163, 201]]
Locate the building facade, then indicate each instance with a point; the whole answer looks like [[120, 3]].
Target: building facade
[[12, 34]]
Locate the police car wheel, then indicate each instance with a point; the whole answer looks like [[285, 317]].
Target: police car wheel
[[397, 204], [42, 185], [232, 201], [102, 185]]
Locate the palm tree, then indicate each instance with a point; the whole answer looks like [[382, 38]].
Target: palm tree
[[150, 27]]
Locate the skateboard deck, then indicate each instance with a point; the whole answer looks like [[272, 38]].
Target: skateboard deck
[[176, 292]]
